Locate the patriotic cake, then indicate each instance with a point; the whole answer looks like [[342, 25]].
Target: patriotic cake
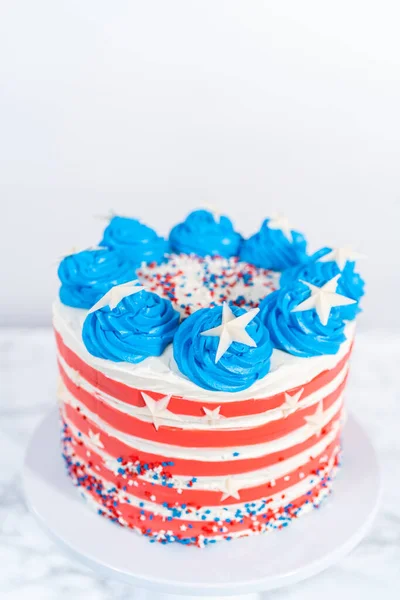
[[202, 376]]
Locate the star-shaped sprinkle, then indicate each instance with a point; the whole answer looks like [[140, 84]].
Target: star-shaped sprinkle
[[183, 527], [95, 439], [323, 299], [212, 414], [291, 402], [232, 329], [281, 223], [157, 408], [341, 255], [117, 293], [316, 421], [231, 489]]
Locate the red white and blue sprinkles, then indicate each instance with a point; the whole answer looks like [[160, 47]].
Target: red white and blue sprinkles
[[107, 499], [191, 282]]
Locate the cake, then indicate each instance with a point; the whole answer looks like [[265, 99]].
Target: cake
[[202, 376]]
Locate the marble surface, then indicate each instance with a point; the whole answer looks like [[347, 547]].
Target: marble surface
[[31, 566]]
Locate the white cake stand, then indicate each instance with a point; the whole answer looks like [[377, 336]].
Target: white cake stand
[[240, 568]]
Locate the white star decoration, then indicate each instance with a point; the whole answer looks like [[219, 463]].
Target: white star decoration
[[232, 329], [316, 421], [60, 390], [323, 299], [95, 439], [340, 256], [116, 294], [282, 224], [230, 489], [157, 408], [76, 250], [291, 402], [214, 211], [213, 414]]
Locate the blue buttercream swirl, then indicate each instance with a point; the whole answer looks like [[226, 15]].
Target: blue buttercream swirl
[[237, 369], [86, 276], [300, 333], [271, 249], [203, 234], [141, 325], [135, 240], [350, 283]]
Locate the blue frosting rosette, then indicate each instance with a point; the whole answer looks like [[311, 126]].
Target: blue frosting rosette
[[350, 283], [86, 276], [270, 248], [204, 234], [135, 240], [300, 333], [237, 369], [140, 325]]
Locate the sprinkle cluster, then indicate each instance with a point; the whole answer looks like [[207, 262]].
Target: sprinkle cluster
[[192, 282], [107, 499]]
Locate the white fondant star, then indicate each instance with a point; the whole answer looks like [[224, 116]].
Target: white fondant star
[[76, 250], [183, 527], [323, 299], [341, 255], [282, 224], [95, 439], [60, 390], [77, 379], [212, 414], [316, 421], [291, 402], [231, 489], [214, 211], [111, 214], [232, 329], [157, 408], [116, 294]]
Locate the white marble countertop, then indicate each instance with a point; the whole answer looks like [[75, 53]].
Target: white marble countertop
[[32, 567]]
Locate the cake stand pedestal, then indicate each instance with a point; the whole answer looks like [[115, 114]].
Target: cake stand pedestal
[[242, 568]]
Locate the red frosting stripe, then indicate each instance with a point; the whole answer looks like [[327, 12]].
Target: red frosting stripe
[[183, 406], [195, 497], [116, 448], [151, 523], [190, 438], [191, 467]]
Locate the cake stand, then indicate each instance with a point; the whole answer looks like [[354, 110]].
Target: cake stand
[[242, 568]]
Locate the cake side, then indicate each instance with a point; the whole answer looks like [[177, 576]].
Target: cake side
[[214, 470]]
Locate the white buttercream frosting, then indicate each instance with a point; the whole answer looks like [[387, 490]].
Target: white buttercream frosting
[[161, 374], [171, 419]]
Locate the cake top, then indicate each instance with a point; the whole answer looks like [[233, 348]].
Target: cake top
[[220, 304]]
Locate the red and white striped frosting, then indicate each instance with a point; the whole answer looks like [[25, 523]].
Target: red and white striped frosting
[[194, 469]]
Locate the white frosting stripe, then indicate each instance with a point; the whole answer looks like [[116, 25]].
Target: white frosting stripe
[[171, 419], [182, 531], [295, 437], [275, 501], [215, 483]]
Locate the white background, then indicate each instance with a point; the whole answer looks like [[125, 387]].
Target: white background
[[152, 108]]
